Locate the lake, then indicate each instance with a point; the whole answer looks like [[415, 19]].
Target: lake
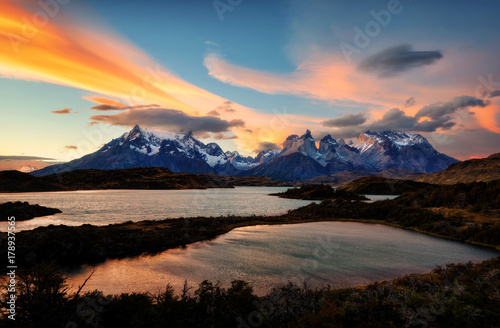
[[101, 207], [341, 254]]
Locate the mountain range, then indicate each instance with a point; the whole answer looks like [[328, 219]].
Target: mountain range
[[298, 159]]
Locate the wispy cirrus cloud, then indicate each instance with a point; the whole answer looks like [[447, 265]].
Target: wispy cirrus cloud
[[88, 56], [324, 76]]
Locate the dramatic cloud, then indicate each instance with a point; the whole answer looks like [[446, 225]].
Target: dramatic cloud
[[428, 119], [398, 59], [222, 136], [325, 76], [81, 54], [397, 119], [436, 111], [410, 102], [213, 113], [495, 93], [62, 111], [169, 119], [347, 120], [265, 146], [24, 158]]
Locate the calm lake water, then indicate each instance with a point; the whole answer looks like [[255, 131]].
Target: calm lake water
[[341, 254], [101, 207]]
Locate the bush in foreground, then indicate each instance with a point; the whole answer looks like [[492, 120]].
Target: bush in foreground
[[456, 295]]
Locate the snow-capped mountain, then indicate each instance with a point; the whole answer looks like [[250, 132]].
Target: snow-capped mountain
[[150, 148], [299, 158], [402, 150], [372, 151], [27, 169]]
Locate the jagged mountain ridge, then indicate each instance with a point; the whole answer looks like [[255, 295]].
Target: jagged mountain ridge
[[298, 159], [372, 152], [144, 148]]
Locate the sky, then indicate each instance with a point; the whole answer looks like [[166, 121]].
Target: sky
[[246, 74]]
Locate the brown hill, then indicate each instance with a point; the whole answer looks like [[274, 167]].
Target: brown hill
[[347, 176], [135, 178], [473, 170], [251, 180]]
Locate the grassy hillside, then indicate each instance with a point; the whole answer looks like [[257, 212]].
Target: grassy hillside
[[474, 170], [347, 176]]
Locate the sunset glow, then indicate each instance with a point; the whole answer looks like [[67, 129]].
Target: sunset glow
[[65, 45]]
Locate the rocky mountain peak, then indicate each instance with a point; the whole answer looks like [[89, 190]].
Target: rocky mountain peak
[[307, 135], [366, 137], [328, 139]]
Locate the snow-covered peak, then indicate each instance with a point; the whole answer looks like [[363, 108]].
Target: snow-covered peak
[[151, 142], [402, 139], [27, 168], [328, 139]]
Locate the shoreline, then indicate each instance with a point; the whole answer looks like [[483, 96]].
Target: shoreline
[[186, 231]]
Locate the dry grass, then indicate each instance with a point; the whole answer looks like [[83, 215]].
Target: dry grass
[[468, 216]]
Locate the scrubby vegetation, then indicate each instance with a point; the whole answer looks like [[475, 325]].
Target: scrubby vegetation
[[88, 244], [464, 295], [319, 192], [384, 186], [477, 197], [24, 211], [456, 295], [473, 170]]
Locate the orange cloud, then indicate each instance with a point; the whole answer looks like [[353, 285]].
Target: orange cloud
[[328, 77], [487, 117], [65, 50], [62, 111], [105, 101]]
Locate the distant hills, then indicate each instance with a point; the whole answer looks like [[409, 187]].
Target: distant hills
[[467, 172], [343, 177], [385, 186], [473, 170], [15, 181], [299, 159], [134, 178]]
